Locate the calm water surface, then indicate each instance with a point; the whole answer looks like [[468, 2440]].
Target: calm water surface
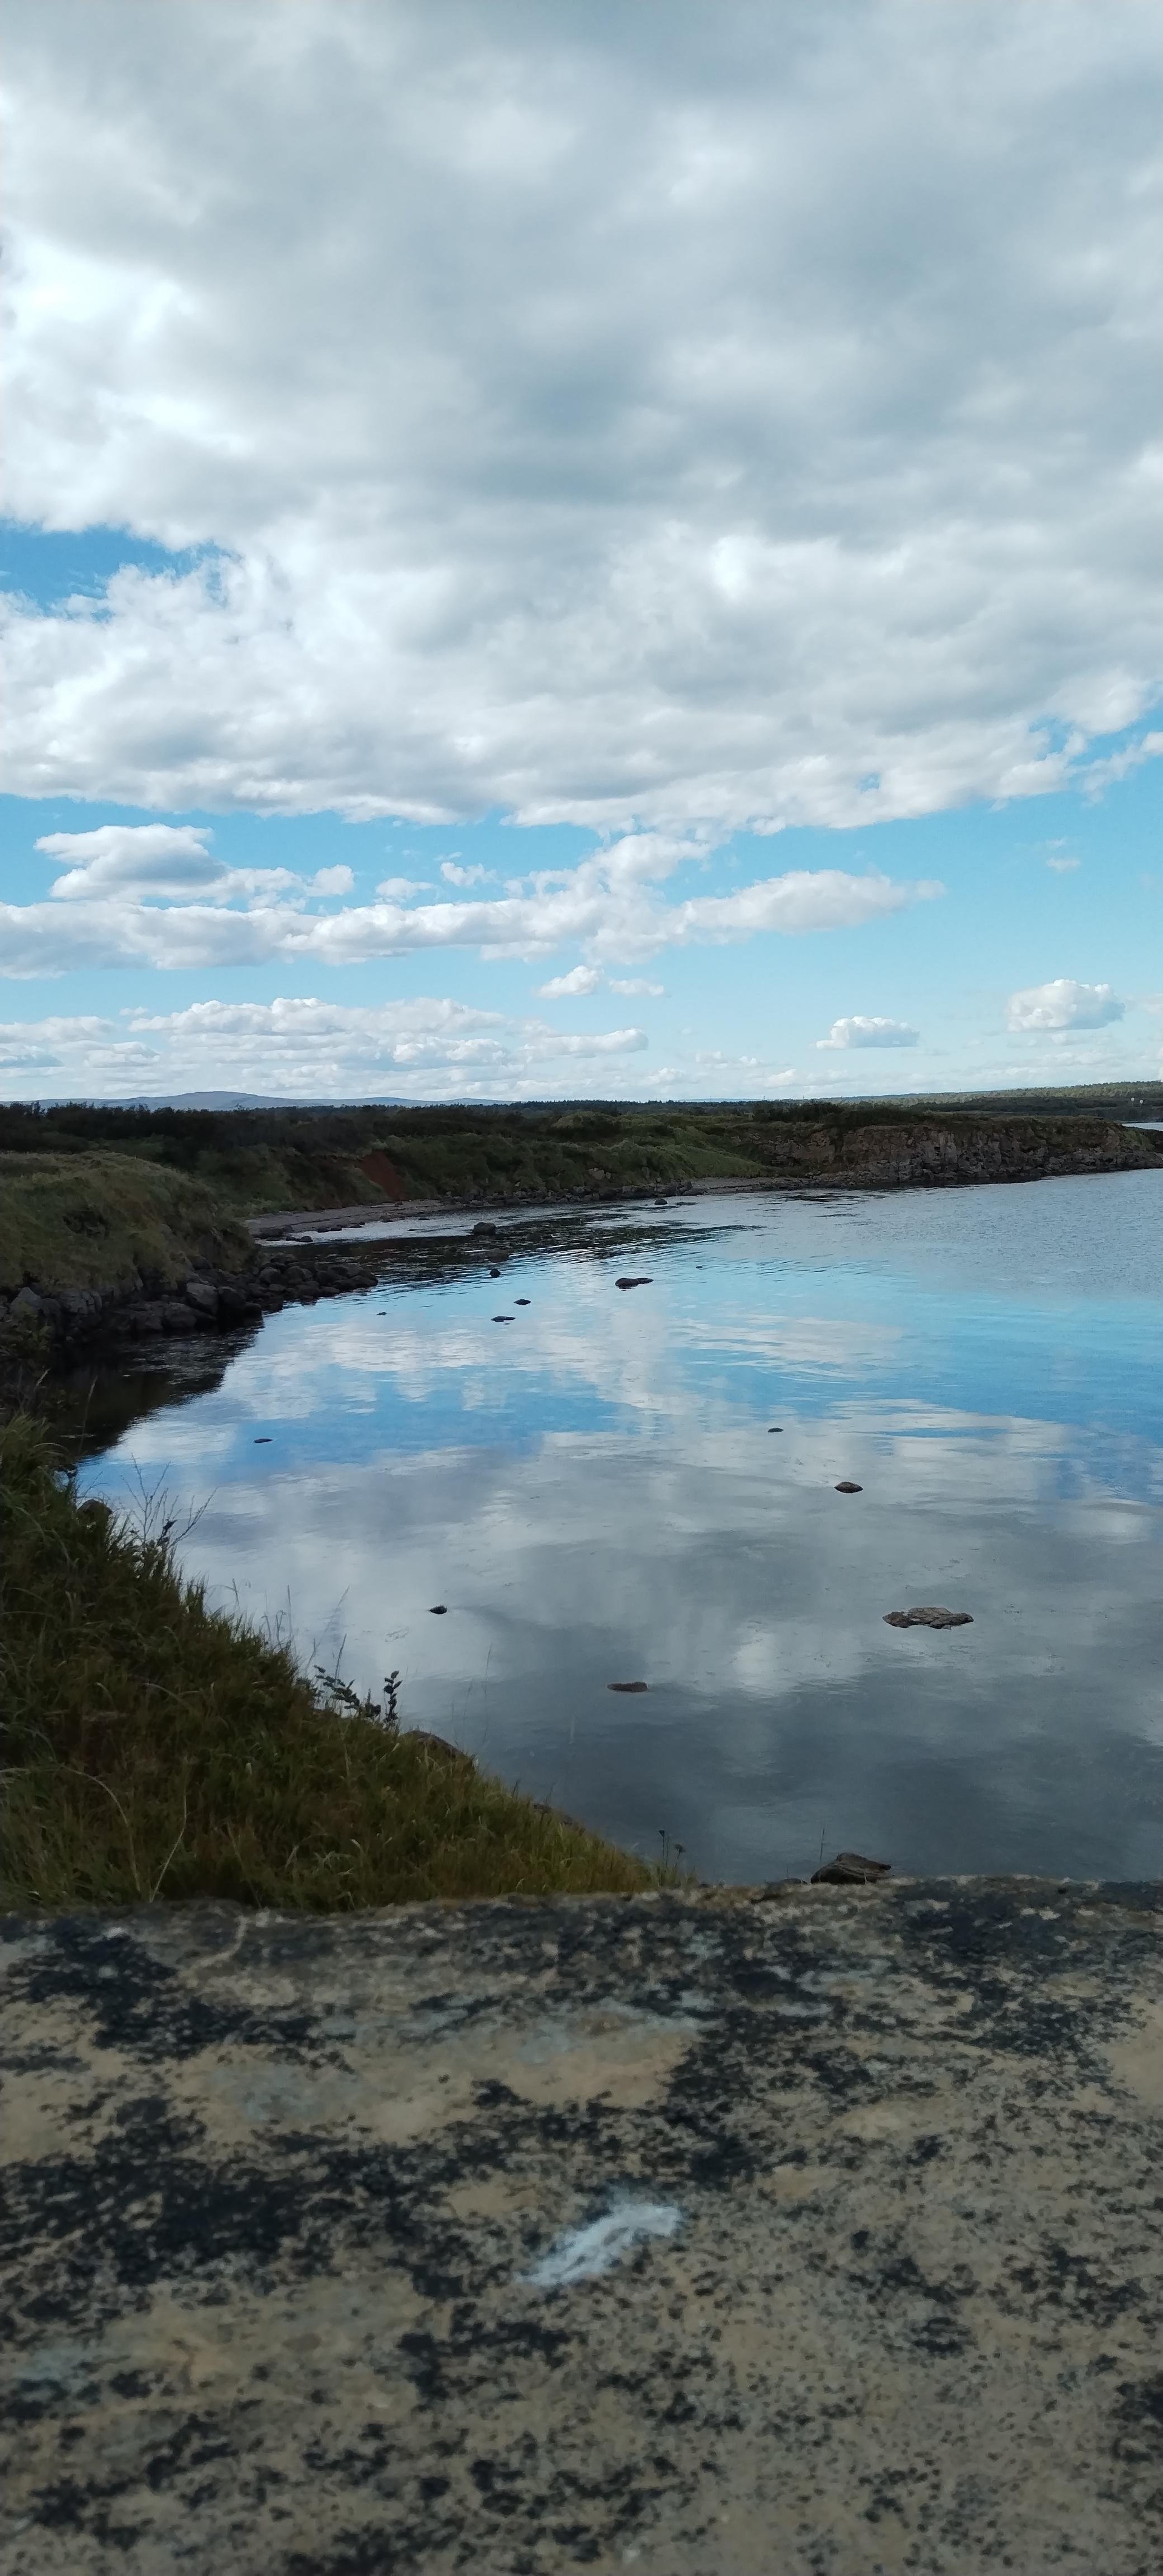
[[594, 1491]]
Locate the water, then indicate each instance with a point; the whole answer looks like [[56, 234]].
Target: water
[[594, 1492]]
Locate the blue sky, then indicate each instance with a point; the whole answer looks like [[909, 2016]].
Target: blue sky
[[637, 581]]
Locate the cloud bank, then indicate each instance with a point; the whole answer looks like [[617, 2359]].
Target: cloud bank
[[155, 895], [424, 1049], [754, 426]]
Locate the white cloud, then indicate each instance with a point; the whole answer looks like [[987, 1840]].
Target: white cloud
[[1119, 764], [1063, 1005], [141, 858], [580, 979], [421, 1049], [759, 426], [398, 889], [635, 984], [458, 876], [116, 870], [609, 904], [1064, 867], [860, 1032]]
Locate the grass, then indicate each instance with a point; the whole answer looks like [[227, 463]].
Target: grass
[[157, 1749], [106, 1219]]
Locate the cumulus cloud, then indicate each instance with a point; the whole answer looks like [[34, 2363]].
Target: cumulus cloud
[[1063, 1004], [860, 1032], [610, 904], [460, 876], [1064, 867], [424, 1049], [754, 427], [635, 984], [580, 979], [142, 858], [120, 868]]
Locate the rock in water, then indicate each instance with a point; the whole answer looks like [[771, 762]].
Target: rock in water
[[928, 1618], [850, 1869], [439, 1610], [503, 1319], [628, 1686], [846, 1488], [633, 1283]]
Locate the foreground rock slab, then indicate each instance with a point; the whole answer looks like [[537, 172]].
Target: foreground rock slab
[[810, 2230]]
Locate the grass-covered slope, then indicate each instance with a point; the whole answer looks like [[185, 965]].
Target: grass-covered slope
[[256, 1161], [154, 1748], [106, 1219]]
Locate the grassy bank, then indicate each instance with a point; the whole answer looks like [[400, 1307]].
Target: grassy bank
[[108, 1219], [247, 1162], [157, 1749]]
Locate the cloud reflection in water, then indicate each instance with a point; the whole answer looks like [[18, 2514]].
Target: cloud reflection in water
[[599, 1496]]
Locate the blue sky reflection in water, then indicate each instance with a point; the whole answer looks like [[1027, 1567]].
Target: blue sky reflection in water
[[594, 1491]]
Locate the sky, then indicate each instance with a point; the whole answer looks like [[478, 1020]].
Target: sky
[[581, 551]]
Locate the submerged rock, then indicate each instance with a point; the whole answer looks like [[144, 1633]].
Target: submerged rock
[[644, 1282], [928, 1618], [627, 1686], [850, 1869]]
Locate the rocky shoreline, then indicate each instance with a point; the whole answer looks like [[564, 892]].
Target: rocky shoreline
[[211, 1297]]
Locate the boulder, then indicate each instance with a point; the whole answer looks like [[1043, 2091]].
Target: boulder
[[178, 1318], [203, 1297], [928, 1618], [850, 1869]]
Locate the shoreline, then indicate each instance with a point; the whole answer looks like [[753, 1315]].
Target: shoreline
[[230, 1270], [281, 1225]]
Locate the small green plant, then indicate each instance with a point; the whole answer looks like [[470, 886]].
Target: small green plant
[[670, 1871], [345, 1700]]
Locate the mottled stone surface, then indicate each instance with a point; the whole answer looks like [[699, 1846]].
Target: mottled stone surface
[[276, 2188]]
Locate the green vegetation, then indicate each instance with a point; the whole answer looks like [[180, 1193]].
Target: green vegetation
[[155, 1748], [255, 1160], [104, 1219]]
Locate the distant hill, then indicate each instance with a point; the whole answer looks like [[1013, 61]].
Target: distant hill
[[210, 1100]]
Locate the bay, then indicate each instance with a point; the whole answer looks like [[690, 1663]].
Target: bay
[[594, 1492]]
